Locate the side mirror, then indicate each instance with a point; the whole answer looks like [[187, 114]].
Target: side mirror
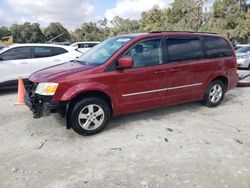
[[125, 62]]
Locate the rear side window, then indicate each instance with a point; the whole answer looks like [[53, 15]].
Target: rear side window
[[40, 52], [58, 51], [183, 49], [16, 53], [216, 47]]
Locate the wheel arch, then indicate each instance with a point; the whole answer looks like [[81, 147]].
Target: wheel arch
[[85, 94], [224, 80]]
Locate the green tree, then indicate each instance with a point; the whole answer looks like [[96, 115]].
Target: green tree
[[123, 26], [89, 31], [4, 31], [230, 17], [26, 33], [153, 20], [55, 29], [186, 15]]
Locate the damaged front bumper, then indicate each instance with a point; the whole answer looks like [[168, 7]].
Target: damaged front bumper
[[40, 105]]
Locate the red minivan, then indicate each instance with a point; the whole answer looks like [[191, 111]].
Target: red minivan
[[132, 73]]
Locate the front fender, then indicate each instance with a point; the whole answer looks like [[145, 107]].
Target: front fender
[[64, 94]]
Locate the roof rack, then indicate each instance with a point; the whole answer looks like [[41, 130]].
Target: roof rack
[[182, 32]]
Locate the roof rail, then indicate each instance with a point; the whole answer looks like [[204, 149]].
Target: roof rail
[[182, 32]]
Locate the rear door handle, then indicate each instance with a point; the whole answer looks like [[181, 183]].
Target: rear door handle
[[175, 70], [160, 71]]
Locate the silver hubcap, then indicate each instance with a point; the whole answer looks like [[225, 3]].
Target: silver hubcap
[[91, 117], [215, 93]]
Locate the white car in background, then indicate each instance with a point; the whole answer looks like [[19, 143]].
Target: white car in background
[[84, 46], [20, 60], [243, 56]]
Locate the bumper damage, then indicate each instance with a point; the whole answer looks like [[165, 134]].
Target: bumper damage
[[41, 105]]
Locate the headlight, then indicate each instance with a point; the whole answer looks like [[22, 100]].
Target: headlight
[[47, 89]]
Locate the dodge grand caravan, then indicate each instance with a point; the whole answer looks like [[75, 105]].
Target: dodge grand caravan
[[132, 73]]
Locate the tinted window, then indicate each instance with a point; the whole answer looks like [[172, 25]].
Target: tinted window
[[40, 52], [58, 51], [87, 45], [216, 47], [146, 53], [17, 53], [181, 49]]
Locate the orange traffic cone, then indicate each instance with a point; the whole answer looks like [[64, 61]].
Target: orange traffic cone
[[21, 92]]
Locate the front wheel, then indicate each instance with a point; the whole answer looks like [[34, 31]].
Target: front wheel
[[214, 93], [89, 116]]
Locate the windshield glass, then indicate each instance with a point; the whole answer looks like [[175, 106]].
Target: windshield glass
[[99, 54], [245, 49], [2, 48]]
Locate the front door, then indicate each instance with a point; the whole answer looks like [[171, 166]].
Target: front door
[[15, 63], [144, 86]]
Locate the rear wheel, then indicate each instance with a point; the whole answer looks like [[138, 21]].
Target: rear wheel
[[89, 116], [214, 93]]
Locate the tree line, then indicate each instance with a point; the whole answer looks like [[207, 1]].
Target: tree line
[[227, 17]]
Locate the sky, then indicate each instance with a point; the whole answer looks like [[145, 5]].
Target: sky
[[73, 13]]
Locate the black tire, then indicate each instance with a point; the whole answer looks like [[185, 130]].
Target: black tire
[[78, 106], [208, 99]]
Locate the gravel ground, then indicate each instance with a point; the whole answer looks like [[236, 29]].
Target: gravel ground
[[187, 145]]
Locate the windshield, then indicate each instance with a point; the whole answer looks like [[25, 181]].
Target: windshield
[[2, 48], [245, 49], [99, 54]]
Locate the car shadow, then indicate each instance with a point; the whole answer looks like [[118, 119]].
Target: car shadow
[[8, 91], [155, 114]]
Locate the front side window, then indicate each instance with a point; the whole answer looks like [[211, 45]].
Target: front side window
[[216, 47], [181, 49], [146, 53], [16, 53]]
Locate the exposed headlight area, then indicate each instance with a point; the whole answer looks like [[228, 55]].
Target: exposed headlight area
[[46, 89]]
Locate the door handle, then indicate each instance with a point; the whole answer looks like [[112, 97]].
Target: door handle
[[24, 63], [175, 70], [160, 71]]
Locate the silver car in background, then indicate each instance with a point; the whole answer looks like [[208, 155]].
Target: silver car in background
[[243, 56]]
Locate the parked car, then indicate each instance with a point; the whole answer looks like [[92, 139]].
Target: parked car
[[243, 56], [84, 46], [132, 73], [23, 59]]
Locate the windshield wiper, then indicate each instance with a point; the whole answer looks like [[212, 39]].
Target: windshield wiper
[[78, 61]]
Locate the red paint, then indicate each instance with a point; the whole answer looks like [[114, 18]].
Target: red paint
[[125, 62], [75, 79]]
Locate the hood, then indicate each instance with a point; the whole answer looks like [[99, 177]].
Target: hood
[[239, 54], [54, 72]]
